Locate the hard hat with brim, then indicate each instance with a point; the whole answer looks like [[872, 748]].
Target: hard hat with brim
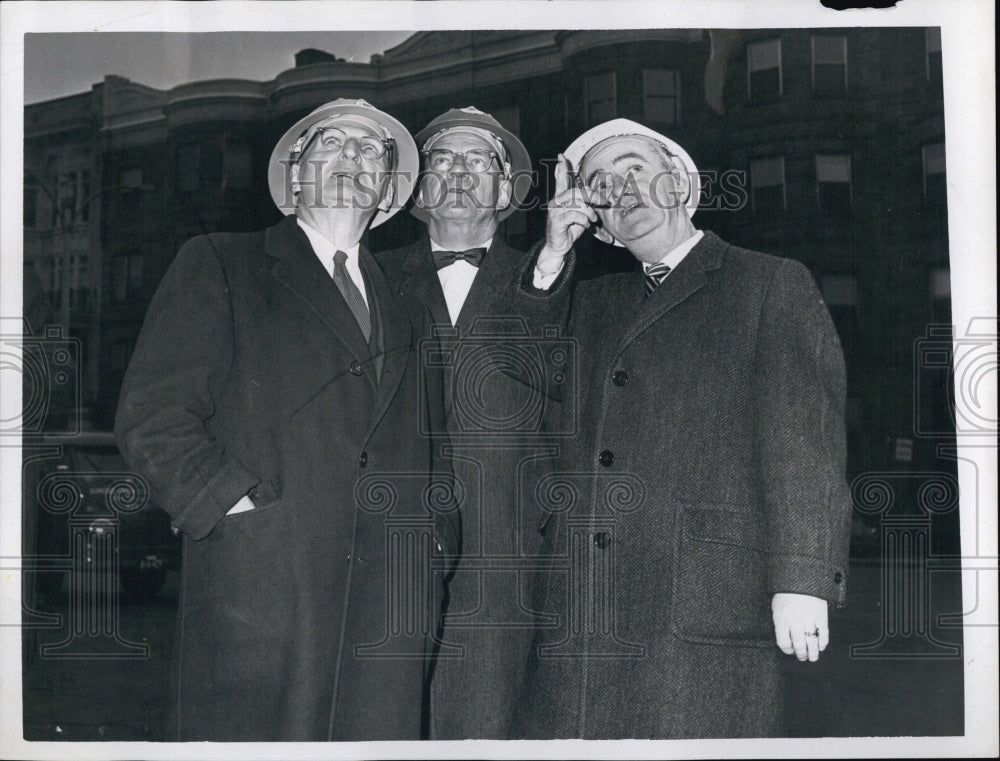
[[578, 149], [517, 163], [406, 158]]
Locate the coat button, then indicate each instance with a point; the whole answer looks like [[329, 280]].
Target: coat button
[[606, 458], [838, 577], [602, 539], [363, 460], [356, 368], [620, 378]]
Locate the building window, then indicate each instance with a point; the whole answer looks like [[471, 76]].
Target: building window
[[599, 94], [833, 182], [935, 189], [661, 95], [932, 43], [767, 182], [237, 165], [940, 292], [189, 168], [66, 207], [84, 198], [764, 71], [829, 65], [840, 292]]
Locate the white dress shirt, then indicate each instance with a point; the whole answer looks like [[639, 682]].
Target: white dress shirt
[[456, 280], [676, 255], [325, 250]]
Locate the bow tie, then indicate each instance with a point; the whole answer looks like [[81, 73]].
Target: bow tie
[[473, 256]]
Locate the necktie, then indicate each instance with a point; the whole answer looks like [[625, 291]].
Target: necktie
[[351, 294], [655, 275], [473, 256]]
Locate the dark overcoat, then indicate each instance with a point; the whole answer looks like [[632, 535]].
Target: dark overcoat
[[251, 376], [499, 446], [709, 475]]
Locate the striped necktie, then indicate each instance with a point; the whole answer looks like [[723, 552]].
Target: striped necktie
[[351, 294], [655, 275]]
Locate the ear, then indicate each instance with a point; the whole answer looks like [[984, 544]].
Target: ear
[[504, 194], [387, 195], [603, 235], [684, 188], [294, 173]]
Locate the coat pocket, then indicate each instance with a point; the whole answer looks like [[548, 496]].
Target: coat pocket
[[720, 578]]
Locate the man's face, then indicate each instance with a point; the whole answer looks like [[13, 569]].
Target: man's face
[[345, 166], [644, 193], [452, 189]]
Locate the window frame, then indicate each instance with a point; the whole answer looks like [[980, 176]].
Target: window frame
[[925, 175], [844, 63], [675, 96], [754, 186], [588, 102], [849, 183], [929, 37], [750, 71]]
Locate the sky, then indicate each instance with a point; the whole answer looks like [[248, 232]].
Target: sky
[[69, 63]]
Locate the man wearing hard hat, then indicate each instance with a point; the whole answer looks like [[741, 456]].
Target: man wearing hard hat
[[475, 175], [715, 393], [273, 395]]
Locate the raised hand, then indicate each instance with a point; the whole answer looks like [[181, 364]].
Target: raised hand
[[569, 216]]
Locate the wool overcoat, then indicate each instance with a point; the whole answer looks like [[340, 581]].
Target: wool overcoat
[[709, 475], [499, 448], [251, 376]]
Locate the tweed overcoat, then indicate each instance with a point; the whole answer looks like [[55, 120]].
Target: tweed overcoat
[[499, 447], [251, 376], [709, 475]]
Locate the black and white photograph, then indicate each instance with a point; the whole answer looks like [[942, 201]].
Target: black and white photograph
[[452, 379]]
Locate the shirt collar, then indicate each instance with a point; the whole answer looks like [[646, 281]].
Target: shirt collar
[[323, 247], [438, 247], [674, 257]]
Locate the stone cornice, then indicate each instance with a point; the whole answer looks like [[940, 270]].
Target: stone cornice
[[574, 42]]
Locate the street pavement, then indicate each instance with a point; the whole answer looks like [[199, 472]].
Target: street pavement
[[910, 684]]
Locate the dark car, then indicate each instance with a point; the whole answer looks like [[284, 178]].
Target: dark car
[[86, 513]]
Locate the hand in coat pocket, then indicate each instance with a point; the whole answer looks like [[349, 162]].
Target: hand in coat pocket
[[800, 624]]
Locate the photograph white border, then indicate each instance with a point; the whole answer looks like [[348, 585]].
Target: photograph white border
[[968, 46]]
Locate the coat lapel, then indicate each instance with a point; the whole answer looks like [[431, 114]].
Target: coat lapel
[[419, 279], [689, 277], [398, 337], [496, 271], [300, 271]]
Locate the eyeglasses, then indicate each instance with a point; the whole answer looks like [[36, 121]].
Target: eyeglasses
[[441, 159], [335, 139]]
